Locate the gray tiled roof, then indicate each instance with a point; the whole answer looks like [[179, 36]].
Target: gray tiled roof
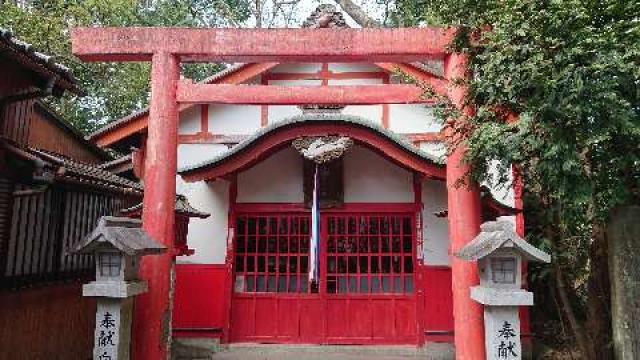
[[86, 173], [47, 62], [117, 161], [72, 171], [182, 206], [125, 234], [494, 235]]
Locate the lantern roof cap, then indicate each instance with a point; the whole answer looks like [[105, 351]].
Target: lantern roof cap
[[123, 233], [499, 234], [182, 207]]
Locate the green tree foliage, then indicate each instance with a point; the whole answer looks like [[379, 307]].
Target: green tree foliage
[[114, 89], [571, 69]]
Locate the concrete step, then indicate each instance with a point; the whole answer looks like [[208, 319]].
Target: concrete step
[[333, 352], [210, 349], [194, 348]]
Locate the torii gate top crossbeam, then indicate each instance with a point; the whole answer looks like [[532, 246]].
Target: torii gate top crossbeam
[[261, 45]]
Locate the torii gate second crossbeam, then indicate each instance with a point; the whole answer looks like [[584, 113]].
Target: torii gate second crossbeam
[[167, 47]]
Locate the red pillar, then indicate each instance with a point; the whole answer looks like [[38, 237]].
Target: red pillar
[[464, 224], [152, 320], [525, 316]]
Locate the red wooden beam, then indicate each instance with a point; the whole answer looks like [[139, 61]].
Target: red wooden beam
[[438, 85], [189, 92], [425, 136], [261, 45], [348, 75]]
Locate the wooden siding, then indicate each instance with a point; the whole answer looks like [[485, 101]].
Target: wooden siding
[[47, 134], [50, 322], [6, 204], [17, 120], [44, 229], [13, 78], [29, 124]]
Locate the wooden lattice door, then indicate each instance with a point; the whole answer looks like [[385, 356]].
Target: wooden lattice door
[[366, 290]]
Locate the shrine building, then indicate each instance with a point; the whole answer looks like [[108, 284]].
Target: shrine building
[[383, 256]]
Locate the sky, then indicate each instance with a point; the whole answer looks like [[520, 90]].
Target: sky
[[304, 8]]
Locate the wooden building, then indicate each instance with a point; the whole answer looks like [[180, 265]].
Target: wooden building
[[51, 194]]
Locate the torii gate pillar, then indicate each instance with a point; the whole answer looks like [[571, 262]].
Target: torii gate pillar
[[464, 224], [152, 320]]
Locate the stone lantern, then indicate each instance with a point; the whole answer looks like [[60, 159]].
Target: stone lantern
[[117, 244], [500, 252], [183, 213]]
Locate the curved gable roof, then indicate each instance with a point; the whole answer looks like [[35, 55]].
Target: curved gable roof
[[281, 133]]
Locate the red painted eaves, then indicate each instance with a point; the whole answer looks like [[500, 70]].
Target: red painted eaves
[[137, 122]]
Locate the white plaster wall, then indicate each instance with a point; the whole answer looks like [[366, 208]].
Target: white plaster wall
[[189, 120], [334, 67], [192, 154], [280, 112], [435, 230], [348, 67], [370, 178], [297, 68], [295, 82], [208, 237], [355, 81], [277, 179], [234, 119], [372, 113], [412, 118], [503, 193], [435, 148]]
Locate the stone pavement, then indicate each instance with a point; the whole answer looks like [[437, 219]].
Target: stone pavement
[[210, 349], [311, 352]]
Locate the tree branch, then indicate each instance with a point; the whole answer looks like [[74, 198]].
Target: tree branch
[[358, 15]]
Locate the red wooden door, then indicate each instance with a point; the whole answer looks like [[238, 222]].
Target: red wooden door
[[366, 290]]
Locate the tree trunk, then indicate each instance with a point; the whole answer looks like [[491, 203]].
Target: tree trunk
[[623, 232], [364, 20], [258, 13], [565, 303], [598, 297], [576, 328], [357, 14]]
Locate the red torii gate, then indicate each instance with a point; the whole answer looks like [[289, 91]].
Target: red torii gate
[[166, 48]]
